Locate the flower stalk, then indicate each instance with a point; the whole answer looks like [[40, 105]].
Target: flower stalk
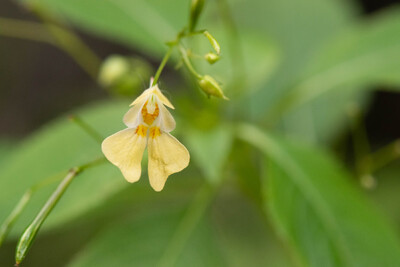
[[162, 64], [12, 218], [196, 8], [31, 231], [86, 128]]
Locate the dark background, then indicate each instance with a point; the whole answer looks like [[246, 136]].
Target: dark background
[[31, 96]]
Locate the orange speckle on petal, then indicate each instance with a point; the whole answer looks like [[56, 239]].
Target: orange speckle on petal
[[154, 132], [141, 130], [147, 117]]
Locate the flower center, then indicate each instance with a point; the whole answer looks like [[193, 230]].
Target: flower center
[[150, 112], [154, 132], [141, 130]]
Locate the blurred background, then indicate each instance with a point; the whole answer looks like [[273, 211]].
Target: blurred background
[[42, 82]]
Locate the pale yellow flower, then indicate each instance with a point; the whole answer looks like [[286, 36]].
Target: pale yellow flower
[[149, 123]]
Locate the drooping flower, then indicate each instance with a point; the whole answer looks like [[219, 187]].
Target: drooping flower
[[149, 123]]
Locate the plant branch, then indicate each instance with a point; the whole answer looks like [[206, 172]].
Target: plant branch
[[12, 218], [86, 128], [19, 208], [187, 63], [384, 156], [31, 231], [25, 30], [162, 65]]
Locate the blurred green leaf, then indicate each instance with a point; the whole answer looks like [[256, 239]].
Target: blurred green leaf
[[324, 118], [298, 31], [243, 234], [133, 202], [210, 149], [365, 55], [58, 147], [6, 147], [141, 242], [320, 214], [143, 24], [368, 54], [232, 233], [386, 193]]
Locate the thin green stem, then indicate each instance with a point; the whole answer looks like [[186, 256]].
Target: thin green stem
[[31, 231], [86, 128], [12, 218], [187, 63], [162, 64], [55, 35], [19, 208], [384, 156], [70, 42], [193, 215], [360, 141], [25, 30], [238, 81]]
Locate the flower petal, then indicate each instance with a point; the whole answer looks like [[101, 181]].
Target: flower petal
[[132, 118], [143, 97], [166, 156], [125, 150], [167, 121], [162, 97]]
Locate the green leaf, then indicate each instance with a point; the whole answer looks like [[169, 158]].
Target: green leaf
[[366, 55], [298, 30], [144, 24], [54, 149], [232, 233], [316, 209], [320, 121], [6, 147], [363, 56], [243, 234], [210, 150], [386, 193], [141, 241]]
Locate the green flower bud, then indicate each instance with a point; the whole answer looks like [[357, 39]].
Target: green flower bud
[[195, 10], [211, 57], [123, 75], [211, 87], [113, 68], [213, 42]]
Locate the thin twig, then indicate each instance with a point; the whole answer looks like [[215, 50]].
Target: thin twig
[[86, 128], [31, 231], [25, 30]]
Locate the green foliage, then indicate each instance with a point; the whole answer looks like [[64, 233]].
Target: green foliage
[[5, 149], [219, 240], [146, 25], [57, 148], [291, 66], [142, 241], [210, 150], [366, 54], [316, 209]]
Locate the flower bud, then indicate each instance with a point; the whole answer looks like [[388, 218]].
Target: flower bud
[[211, 57], [123, 75], [211, 87], [213, 42], [112, 69], [195, 9]]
